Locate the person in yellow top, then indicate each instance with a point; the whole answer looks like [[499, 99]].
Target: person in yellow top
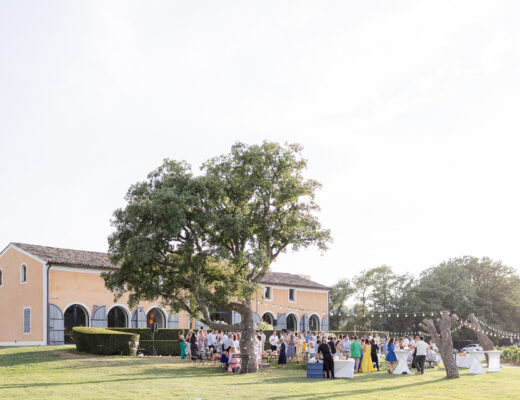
[[366, 362], [299, 348]]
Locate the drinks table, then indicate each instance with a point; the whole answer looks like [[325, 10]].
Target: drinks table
[[493, 360], [344, 368], [476, 366], [402, 362]]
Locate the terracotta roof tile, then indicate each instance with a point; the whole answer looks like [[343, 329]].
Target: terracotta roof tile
[[93, 259], [285, 279], [57, 256]]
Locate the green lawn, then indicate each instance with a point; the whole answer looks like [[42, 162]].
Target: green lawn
[[63, 373]]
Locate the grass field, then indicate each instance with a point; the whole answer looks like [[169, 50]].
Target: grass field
[[63, 373]]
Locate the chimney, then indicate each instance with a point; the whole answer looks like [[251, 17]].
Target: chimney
[[308, 277]]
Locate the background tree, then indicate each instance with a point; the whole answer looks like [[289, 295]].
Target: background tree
[[198, 242], [443, 341], [338, 297]]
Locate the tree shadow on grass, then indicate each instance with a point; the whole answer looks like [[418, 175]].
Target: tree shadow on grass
[[348, 390], [35, 357], [149, 376]]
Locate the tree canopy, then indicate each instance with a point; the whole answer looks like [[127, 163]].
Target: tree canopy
[[462, 285], [200, 241]]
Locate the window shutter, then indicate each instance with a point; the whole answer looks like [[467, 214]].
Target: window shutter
[[26, 320]]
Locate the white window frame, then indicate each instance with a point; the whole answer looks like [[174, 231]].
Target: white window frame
[[1, 277], [30, 320], [271, 291], [289, 295], [26, 273]]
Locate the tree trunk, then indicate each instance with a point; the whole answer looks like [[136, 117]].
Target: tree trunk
[[444, 342], [247, 342], [483, 339]]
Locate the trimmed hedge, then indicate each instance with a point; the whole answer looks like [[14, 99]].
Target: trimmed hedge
[[162, 347], [105, 341], [146, 333]]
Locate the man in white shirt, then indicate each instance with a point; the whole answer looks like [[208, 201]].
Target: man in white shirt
[[421, 346], [406, 341], [273, 341], [211, 340], [228, 343]]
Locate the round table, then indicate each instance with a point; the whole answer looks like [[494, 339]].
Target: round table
[[493, 360], [402, 362], [476, 366]]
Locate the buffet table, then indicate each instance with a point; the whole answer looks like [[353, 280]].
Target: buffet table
[[342, 368]]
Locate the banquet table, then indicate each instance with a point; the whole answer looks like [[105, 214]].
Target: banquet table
[[402, 362], [476, 366], [342, 368], [493, 360]]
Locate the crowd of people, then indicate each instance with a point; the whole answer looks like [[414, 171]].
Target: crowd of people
[[365, 350]]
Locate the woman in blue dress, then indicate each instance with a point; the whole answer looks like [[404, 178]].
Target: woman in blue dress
[[282, 358], [390, 356]]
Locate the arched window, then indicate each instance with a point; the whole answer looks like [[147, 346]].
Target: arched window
[[75, 315], [314, 323], [268, 318], [292, 323], [23, 273], [1, 277], [117, 318], [155, 315]]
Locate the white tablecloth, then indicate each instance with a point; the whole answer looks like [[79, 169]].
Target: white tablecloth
[[402, 362], [344, 368], [476, 366], [493, 361], [464, 361]]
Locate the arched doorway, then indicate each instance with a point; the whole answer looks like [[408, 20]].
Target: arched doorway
[[268, 318], [155, 315], [314, 323], [292, 323], [117, 318], [75, 315]]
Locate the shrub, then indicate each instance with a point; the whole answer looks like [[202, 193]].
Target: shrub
[[146, 333], [105, 341], [162, 347], [510, 354]]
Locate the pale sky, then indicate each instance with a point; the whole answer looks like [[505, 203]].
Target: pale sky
[[408, 111]]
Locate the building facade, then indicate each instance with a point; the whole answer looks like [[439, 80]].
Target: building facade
[[46, 291]]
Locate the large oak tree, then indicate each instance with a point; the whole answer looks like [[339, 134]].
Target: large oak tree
[[196, 242]]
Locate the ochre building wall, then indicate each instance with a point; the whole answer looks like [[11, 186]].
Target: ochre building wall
[[14, 296]]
